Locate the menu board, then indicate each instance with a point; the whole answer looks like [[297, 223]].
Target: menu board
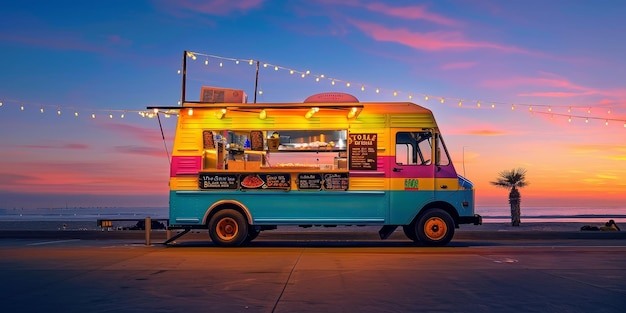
[[310, 181], [362, 149], [218, 181], [336, 181], [273, 181]]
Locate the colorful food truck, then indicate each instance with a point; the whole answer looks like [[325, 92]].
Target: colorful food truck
[[238, 168]]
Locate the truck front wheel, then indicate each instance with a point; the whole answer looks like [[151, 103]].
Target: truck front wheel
[[228, 228], [435, 228]]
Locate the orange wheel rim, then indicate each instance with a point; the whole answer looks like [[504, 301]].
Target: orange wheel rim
[[435, 228], [227, 228]]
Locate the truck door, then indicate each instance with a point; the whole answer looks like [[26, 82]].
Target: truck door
[[412, 172]]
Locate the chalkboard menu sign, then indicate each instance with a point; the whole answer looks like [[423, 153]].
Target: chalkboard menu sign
[[273, 181], [218, 181], [336, 181], [362, 151], [310, 181]]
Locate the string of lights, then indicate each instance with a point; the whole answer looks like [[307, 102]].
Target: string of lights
[[444, 100], [461, 102]]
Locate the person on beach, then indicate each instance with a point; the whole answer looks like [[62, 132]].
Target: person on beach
[[608, 226]]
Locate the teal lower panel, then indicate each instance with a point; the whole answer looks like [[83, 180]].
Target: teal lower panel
[[284, 208], [296, 208], [405, 204]]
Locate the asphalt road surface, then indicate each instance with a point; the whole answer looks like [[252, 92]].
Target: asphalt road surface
[[312, 274]]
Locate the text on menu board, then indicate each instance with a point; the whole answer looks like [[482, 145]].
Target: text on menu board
[[363, 153], [326, 181], [218, 181]]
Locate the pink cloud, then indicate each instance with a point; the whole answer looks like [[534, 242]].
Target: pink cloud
[[458, 65], [555, 82], [149, 135], [412, 13], [138, 150], [71, 146], [432, 41]]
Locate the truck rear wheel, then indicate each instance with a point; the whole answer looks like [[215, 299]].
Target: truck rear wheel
[[228, 228], [435, 228]]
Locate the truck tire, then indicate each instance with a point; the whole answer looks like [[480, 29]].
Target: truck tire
[[228, 228], [435, 228]]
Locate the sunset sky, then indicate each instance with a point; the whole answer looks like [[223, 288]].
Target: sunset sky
[[533, 84]]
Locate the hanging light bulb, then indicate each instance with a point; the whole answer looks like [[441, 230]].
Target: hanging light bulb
[[93, 115], [221, 64], [569, 119], [21, 108], [410, 97], [251, 61], [111, 115], [0, 103], [236, 61], [606, 122], [586, 120], [190, 111], [395, 93], [59, 111], [41, 110], [263, 114], [302, 75], [549, 109], [377, 90], [589, 110], [493, 105], [442, 100], [276, 68], [426, 98], [317, 79], [362, 88], [332, 82], [512, 107], [76, 113], [348, 84], [478, 104], [264, 64], [178, 72], [291, 72], [308, 72], [530, 108], [206, 62], [122, 116], [460, 103]]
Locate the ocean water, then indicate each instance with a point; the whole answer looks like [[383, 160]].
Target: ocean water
[[490, 214]]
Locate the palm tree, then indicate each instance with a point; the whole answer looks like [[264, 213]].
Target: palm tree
[[513, 179]]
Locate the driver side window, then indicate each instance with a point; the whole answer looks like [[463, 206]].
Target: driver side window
[[413, 148]]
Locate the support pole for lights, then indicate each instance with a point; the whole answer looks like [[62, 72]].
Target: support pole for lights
[[256, 80], [184, 73]]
